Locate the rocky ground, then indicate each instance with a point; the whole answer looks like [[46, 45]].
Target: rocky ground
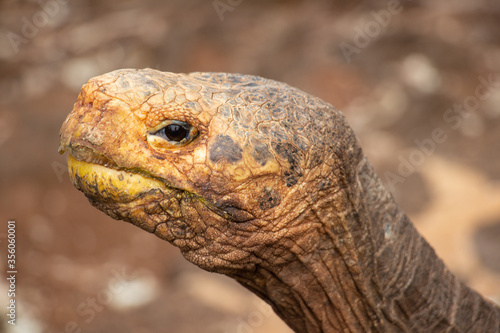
[[418, 80]]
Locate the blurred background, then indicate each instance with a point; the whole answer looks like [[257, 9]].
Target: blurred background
[[418, 80]]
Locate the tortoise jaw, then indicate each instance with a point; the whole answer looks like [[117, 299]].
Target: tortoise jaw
[[109, 184], [106, 184], [143, 201]]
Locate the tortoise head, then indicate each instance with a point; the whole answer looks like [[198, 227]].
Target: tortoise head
[[220, 165]]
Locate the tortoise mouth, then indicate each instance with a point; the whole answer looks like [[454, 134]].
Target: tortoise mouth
[[109, 184], [121, 194]]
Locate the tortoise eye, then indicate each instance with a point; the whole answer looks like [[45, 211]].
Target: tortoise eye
[[176, 133]]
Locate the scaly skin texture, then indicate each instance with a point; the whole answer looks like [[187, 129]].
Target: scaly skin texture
[[274, 192]]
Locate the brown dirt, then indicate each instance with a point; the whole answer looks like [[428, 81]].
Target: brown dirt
[[396, 89]]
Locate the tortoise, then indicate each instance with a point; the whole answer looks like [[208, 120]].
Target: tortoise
[[257, 180]]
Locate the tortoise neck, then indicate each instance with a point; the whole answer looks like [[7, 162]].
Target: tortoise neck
[[370, 271]]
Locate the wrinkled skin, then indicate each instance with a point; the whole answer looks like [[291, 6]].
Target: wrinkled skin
[[223, 191], [271, 189]]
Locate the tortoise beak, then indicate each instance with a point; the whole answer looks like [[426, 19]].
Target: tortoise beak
[[96, 180]]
